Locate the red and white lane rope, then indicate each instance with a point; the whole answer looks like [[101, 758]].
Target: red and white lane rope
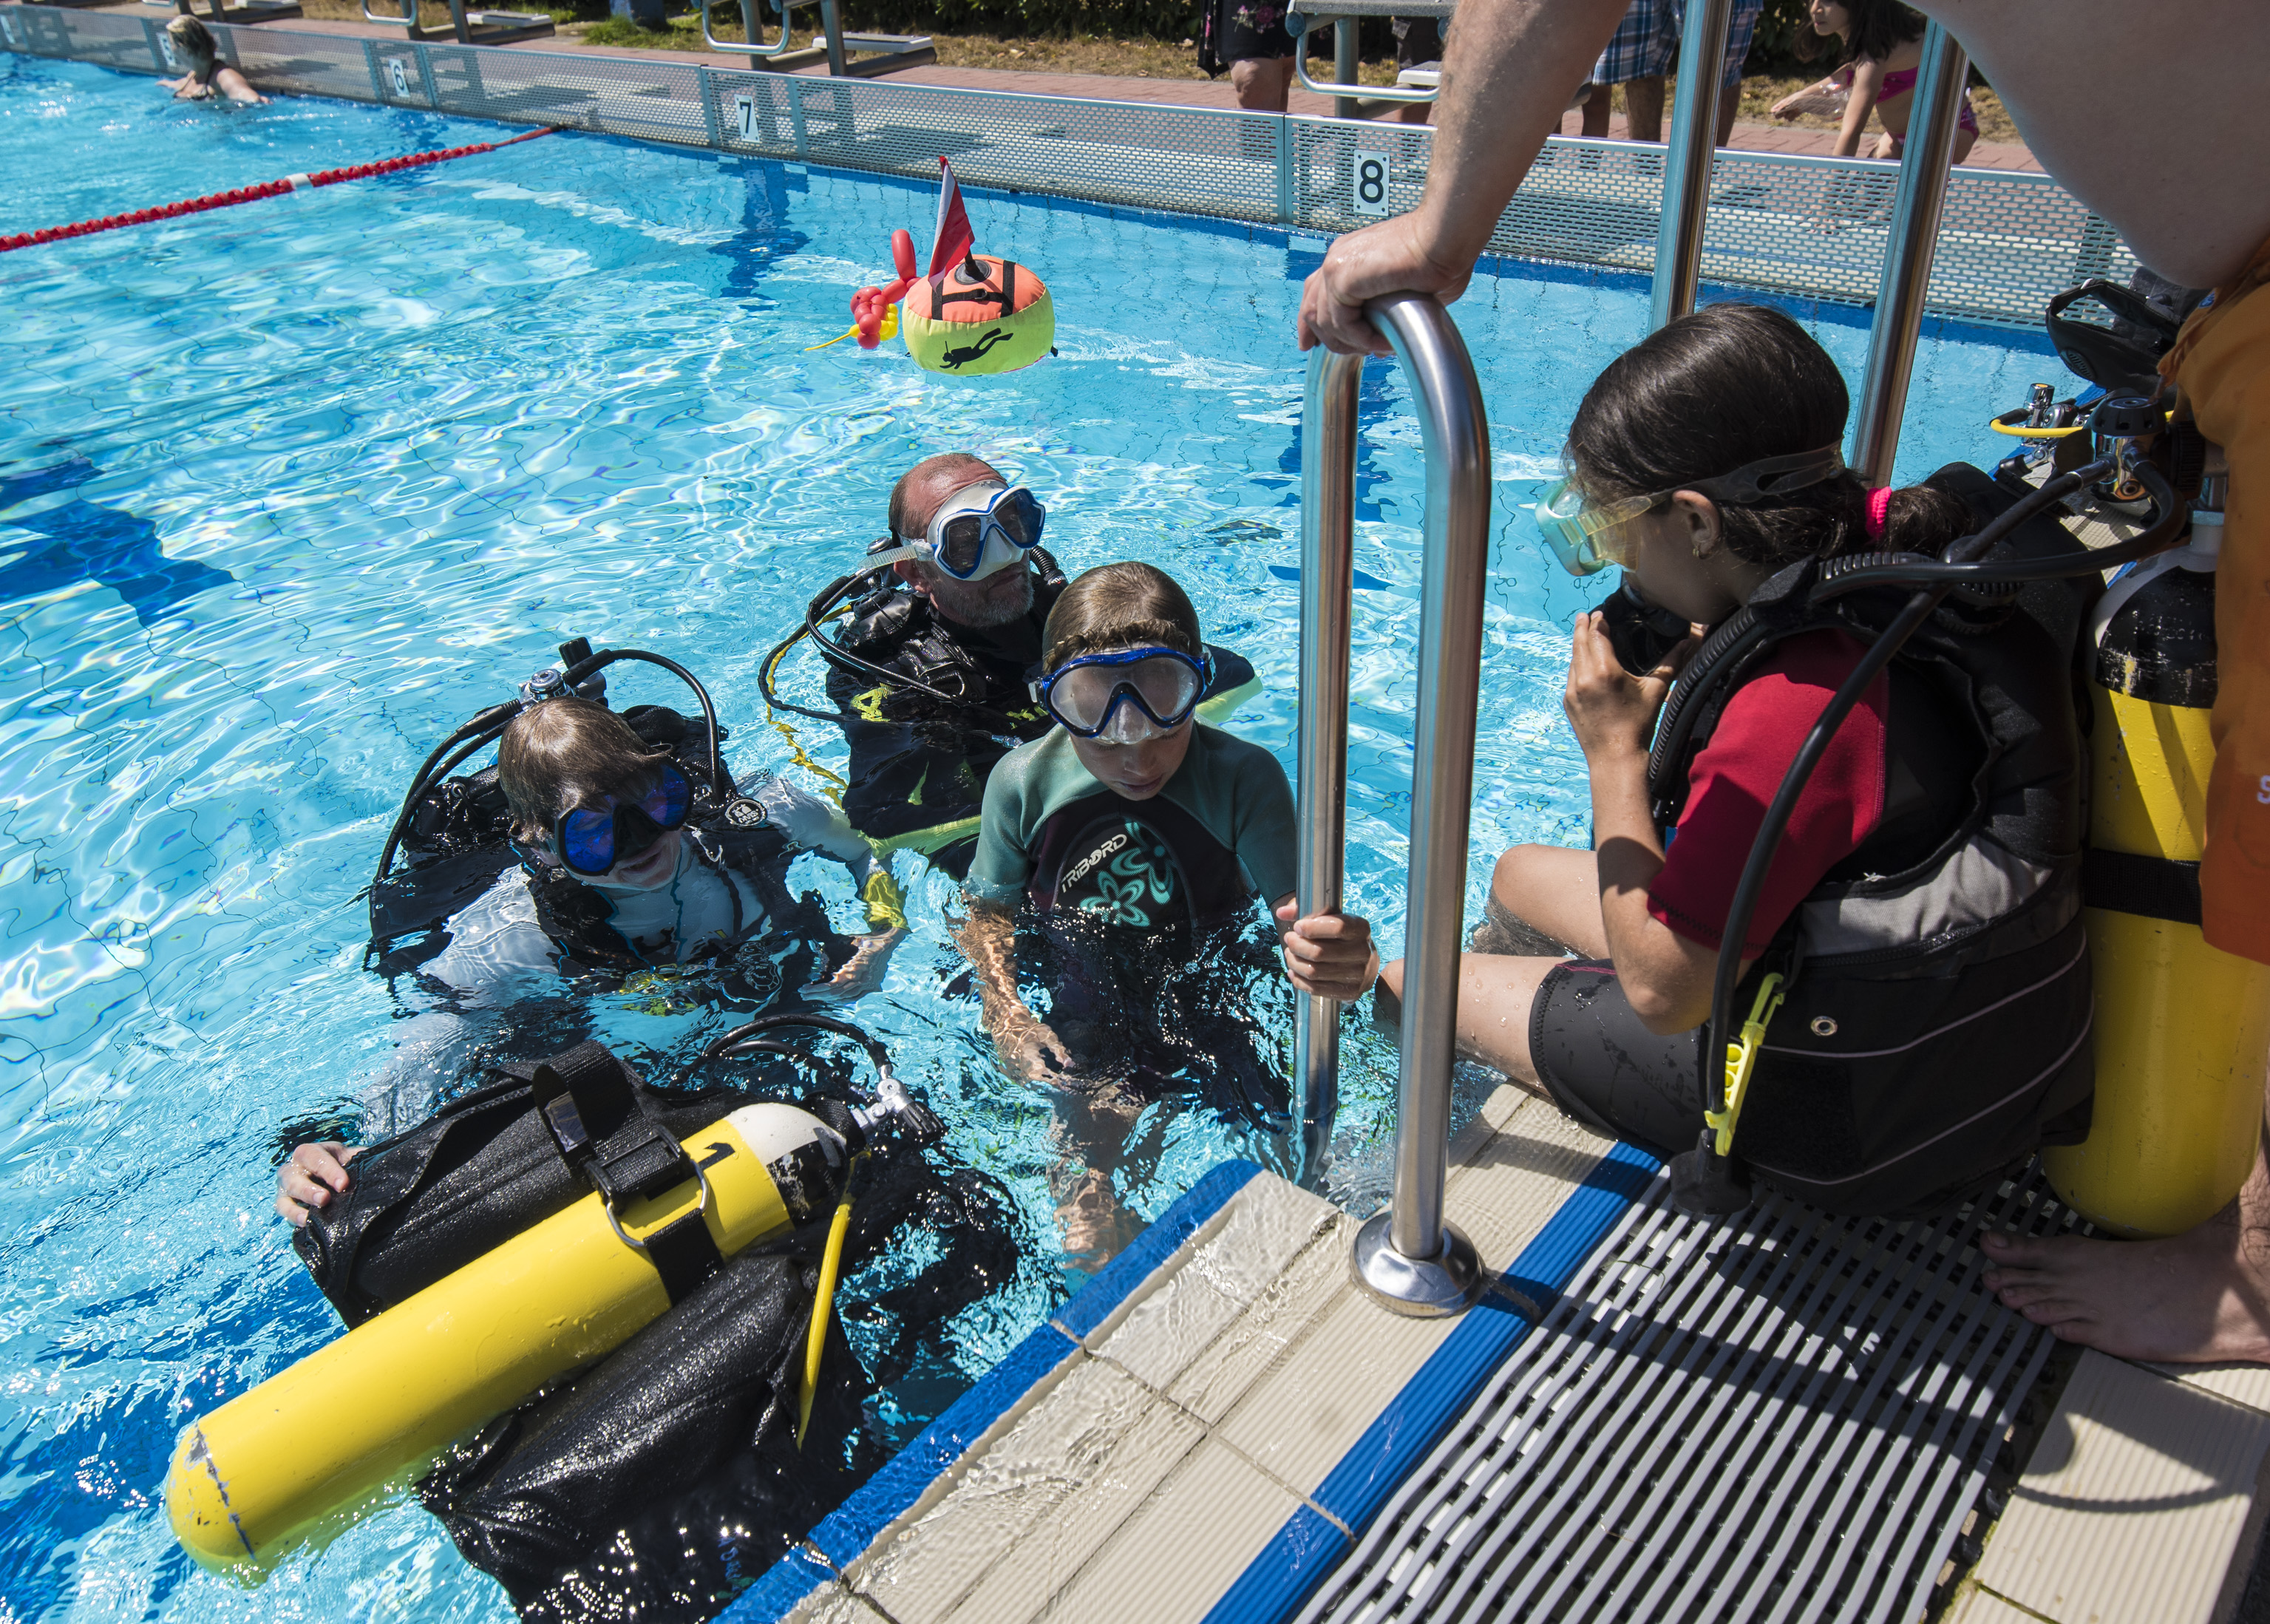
[[253, 194]]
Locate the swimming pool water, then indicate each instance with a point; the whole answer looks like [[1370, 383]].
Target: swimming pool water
[[289, 490]]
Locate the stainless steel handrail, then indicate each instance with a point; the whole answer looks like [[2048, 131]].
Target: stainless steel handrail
[[1686, 171], [1900, 294], [1409, 1256], [1344, 90], [747, 45]]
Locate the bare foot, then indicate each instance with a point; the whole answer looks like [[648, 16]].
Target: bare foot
[[2196, 1298]]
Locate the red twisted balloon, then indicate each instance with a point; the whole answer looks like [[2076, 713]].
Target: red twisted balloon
[[869, 303], [266, 188]]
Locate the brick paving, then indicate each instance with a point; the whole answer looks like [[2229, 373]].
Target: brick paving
[[1110, 87]]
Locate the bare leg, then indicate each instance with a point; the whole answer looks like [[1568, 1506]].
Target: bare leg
[[1964, 140], [1643, 109], [1730, 102], [1557, 890], [1091, 1134], [1263, 84], [1598, 108], [1493, 998], [2200, 1297]]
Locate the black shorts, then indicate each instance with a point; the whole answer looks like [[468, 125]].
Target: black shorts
[[1244, 31], [1606, 1069]]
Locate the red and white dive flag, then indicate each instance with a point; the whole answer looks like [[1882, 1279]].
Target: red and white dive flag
[[955, 240]]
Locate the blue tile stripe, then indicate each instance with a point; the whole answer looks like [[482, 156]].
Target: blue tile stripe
[[1279, 1580], [886, 1496]]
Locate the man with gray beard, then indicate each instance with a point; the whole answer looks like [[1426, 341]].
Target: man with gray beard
[[932, 670], [948, 643]]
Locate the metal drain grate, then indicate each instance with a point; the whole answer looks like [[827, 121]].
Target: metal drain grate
[[1784, 1418]]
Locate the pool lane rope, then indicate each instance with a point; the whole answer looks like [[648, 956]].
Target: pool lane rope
[[253, 194]]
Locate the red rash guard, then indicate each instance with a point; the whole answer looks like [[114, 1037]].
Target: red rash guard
[[1738, 773]]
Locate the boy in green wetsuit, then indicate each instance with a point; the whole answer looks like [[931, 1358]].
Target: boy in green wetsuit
[[1139, 840]]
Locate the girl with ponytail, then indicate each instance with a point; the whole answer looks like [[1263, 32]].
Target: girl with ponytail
[[1704, 461]]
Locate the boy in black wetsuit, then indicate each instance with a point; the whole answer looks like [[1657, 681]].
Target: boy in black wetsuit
[[1140, 839]]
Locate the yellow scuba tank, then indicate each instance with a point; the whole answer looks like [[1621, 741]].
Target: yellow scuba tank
[[302, 1454], [2181, 1026]]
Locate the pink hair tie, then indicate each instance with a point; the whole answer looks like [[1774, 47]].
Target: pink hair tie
[[1880, 508]]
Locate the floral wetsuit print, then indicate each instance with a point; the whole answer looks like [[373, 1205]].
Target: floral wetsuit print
[[1196, 853]]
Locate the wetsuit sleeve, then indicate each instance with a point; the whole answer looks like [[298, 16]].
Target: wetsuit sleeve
[[1003, 866], [494, 942], [817, 824], [1738, 773], [1268, 833]]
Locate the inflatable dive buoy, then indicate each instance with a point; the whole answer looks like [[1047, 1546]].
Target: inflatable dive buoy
[[972, 313], [984, 315], [2181, 1025], [305, 1451]]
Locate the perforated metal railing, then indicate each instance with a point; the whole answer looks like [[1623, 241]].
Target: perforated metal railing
[[1811, 227]]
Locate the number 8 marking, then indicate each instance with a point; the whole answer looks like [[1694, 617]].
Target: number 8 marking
[[1368, 183]]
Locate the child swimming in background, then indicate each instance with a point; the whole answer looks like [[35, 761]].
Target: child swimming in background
[[1883, 55], [208, 76], [1135, 839]]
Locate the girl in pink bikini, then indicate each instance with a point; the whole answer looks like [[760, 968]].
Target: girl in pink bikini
[[1882, 44]]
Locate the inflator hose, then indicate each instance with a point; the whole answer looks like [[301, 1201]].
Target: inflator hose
[[823, 1302], [1963, 564]]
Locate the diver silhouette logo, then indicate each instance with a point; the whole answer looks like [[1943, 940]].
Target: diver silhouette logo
[[953, 359]]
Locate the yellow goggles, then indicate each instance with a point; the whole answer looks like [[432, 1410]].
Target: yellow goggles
[[1584, 535], [1585, 538]]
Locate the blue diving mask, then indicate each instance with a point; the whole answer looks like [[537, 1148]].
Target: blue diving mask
[[1110, 696]]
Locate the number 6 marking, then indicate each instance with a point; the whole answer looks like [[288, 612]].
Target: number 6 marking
[[395, 71], [1368, 186]]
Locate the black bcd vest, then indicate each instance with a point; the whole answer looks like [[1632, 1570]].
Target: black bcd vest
[[1935, 1024]]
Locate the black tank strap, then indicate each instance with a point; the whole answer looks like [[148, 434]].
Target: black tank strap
[[605, 1133], [685, 1255], [602, 1127]]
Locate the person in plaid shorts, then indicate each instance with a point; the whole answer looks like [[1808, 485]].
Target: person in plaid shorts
[[1639, 55]]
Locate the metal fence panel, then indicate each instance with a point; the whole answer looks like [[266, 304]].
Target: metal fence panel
[[1809, 227]]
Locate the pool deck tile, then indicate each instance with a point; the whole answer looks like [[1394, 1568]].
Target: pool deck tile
[[1190, 1541], [834, 1606], [2246, 1384], [1022, 1517], [2135, 1504], [1977, 1606], [1192, 1421]]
